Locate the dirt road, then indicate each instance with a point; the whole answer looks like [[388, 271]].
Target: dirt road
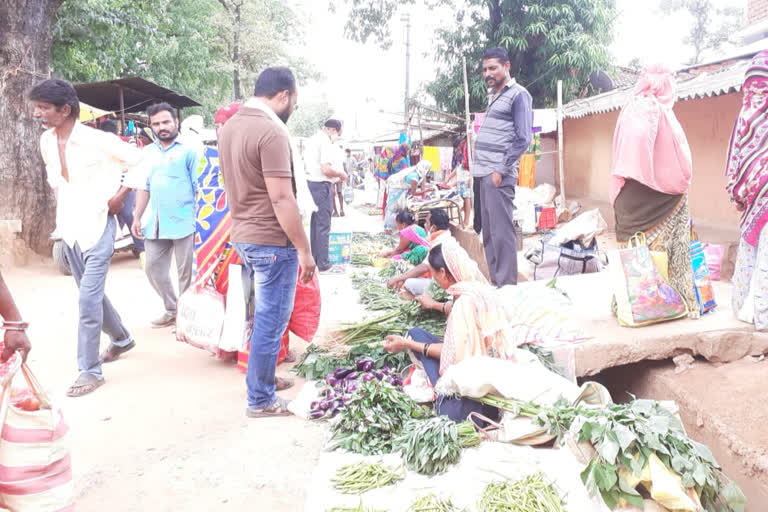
[[168, 429]]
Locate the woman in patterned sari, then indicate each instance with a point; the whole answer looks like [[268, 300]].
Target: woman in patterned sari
[[413, 245], [650, 177], [747, 173]]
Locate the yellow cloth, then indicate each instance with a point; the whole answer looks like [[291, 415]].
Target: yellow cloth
[[527, 173], [432, 155]]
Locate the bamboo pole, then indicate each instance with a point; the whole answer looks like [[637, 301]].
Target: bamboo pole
[[470, 149], [561, 171]]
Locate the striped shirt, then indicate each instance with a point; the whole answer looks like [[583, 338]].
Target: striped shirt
[[505, 133]]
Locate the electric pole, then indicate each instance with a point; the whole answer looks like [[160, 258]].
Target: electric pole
[[407, 19]]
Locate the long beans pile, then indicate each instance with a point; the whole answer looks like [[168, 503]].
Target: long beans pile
[[429, 446], [530, 494], [362, 476], [432, 503], [359, 508]]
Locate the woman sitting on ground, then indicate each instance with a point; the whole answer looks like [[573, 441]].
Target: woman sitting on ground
[[413, 246], [453, 270]]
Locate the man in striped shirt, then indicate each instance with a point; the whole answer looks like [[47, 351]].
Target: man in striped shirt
[[501, 141]]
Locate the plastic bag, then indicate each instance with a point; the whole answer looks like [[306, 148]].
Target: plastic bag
[[200, 318], [643, 297], [714, 255], [701, 280], [305, 318], [235, 325]]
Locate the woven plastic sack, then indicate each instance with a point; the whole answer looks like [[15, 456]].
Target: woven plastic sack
[[200, 318], [643, 297], [35, 465]]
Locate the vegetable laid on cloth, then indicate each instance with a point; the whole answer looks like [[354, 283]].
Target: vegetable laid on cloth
[[632, 440], [358, 508], [343, 382], [372, 418], [530, 494], [318, 361], [429, 446], [432, 503], [363, 476]]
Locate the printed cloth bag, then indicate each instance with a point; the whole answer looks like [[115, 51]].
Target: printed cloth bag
[[565, 260], [35, 465], [200, 318], [643, 297]]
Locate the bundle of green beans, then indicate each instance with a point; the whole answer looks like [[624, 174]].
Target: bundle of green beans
[[429, 446], [468, 436], [432, 503], [396, 268], [360, 260], [530, 494], [363, 476], [359, 508]]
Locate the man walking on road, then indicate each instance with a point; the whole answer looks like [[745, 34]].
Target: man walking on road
[[256, 161], [84, 167], [502, 140], [321, 176], [171, 190]]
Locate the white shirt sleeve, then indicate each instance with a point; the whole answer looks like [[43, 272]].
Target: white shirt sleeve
[[133, 159]]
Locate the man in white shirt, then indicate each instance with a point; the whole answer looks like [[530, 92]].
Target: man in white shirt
[[322, 173], [84, 168]]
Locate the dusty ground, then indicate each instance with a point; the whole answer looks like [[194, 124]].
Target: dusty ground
[[168, 429]]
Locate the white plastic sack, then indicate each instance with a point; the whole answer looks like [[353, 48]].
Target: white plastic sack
[[420, 389], [200, 318], [300, 405], [235, 323], [525, 379], [583, 228]]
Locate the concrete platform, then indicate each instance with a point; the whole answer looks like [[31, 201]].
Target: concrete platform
[[717, 336]]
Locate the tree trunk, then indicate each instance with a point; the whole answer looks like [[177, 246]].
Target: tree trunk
[[236, 53], [25, 45]]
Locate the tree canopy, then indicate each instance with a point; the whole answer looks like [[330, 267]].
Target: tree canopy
[[547, 40], [709, 28], [186, 45]]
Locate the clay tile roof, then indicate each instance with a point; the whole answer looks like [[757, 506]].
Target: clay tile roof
[[702, 82]]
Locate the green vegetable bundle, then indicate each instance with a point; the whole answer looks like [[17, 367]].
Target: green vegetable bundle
[[468, 436], [531, 494], [429, 446], [358, 508], [437, 292], [625, 436], [396, 268], [373, 418], [432, 503], [361, 477], [318, 361]]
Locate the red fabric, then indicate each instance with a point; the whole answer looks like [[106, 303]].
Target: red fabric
[[242, 356], [224, 113]]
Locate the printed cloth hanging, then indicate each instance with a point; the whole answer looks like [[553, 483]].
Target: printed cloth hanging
[[213, 250], [391, 160]]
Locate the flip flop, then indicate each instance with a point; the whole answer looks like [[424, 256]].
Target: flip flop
[[290, 357], [85, 383], [281, 383], [113, 352], [278, 408]]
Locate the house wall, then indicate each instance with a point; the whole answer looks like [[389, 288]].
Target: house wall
[[707, 123], [757, 10]]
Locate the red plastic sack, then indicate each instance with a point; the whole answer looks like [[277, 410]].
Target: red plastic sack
[[305, 318], [242, 355]]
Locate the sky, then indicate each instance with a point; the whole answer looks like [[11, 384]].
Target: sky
[[365, 84]]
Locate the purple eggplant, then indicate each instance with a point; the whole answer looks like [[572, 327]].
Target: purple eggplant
[[379, 374], [351, 387], [325, 404], [313, 406], [316, 415], [351, 376], [397, 380], [386, 369], [342, 372], [368, 377]]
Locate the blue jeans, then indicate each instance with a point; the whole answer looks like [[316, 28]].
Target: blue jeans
[[89, 269], [456, 408], [273, 271]]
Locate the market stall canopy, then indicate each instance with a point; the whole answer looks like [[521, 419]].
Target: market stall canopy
[[138, 94], [89, 113]]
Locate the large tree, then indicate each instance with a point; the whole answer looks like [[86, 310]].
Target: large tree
[[25, 43], [309, 118], [710, 27], [547, 40]]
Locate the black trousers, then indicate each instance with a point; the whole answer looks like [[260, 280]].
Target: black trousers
[[320, 223]]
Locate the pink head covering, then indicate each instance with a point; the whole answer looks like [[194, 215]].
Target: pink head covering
[[224, 113], [649, 145]]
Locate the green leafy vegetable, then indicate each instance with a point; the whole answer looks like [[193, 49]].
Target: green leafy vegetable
[[429, 446]]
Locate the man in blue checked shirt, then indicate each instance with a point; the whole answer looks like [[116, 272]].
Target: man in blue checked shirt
[[170, 193]]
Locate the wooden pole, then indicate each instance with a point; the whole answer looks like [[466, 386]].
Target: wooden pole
[[466, 112], [122, 112], [560, 141]]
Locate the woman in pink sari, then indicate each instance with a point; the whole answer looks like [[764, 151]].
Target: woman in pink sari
[[747, 173], [413, 245], [650, 176]]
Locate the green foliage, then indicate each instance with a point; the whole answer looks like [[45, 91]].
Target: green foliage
[[309, 118], [547, 40], [710, 27], [185, 45]]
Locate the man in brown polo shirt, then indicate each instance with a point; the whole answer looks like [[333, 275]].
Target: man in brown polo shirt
[[256, 161]]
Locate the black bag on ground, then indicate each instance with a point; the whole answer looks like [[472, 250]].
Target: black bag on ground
[[565, 260]]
